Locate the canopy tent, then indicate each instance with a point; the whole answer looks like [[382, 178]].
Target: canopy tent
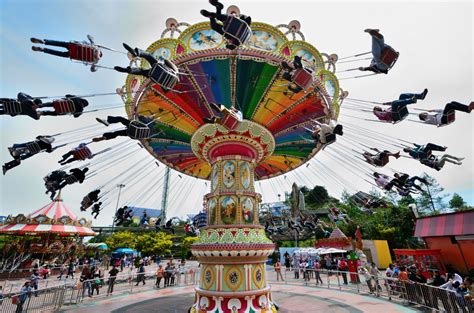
[[97, 246], [318, 251], [53, 218]]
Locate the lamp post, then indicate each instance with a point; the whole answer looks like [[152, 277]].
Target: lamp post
[[120, 186]]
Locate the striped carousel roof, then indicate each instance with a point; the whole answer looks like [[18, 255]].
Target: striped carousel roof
[[53, 218]]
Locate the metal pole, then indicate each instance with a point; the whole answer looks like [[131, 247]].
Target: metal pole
[[164, 197], [120, 186]]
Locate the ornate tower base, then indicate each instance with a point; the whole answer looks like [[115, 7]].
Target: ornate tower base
[[233, 247]]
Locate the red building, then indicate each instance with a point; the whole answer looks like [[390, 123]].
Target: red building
[[452, 234]]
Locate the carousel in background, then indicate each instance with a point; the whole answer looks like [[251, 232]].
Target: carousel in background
[[50, 234]]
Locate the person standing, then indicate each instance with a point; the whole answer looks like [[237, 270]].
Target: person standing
[[368, 279], [35, 281], [342, 266], [70, 269], [278, 270], [62, 269], [374, 271], [167, 274], [173, 275], [96, 279], [160, 272], [287, 261], [112, 277], [86, 275]]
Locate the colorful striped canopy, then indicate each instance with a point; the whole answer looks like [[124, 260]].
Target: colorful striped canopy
[[249, 79], [53, 218], [452, 224]]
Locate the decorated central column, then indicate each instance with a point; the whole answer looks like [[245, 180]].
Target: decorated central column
[[233, 247]]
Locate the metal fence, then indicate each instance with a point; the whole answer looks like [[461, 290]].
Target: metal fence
[[74, 292], [405, 292]]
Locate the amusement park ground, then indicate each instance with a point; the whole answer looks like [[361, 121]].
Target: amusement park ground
[[291, 296]]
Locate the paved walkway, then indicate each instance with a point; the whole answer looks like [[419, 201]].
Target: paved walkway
[[290, 298]]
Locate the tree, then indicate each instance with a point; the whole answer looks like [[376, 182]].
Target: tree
[[457, 202], [317, 197], [186, 245], [123, 239], [430, 200], [153, 243]]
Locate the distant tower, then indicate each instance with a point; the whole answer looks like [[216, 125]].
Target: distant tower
[[164, 198]]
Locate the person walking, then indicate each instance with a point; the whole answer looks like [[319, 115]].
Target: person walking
[[317, 273], [141, 273], [278, 271], [62, 269], [25, 293], [70, 270]]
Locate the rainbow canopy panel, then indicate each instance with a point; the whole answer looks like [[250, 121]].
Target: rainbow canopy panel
[[249, 79]]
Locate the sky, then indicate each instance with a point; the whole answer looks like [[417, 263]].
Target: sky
[[434, 39]]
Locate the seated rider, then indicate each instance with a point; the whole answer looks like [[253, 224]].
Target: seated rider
[[167, 78], [404, 181], [70, 104], [23, 105], [76, 175], [79, 153], [383, 181], [86, 52], [234, 40], [26, 150], [96, 209], [398, 110], [445, 116], [123, 132], [378, 46], [381, 158], [89, 199], [289, 74], [420, 152], [438, 162], [52, 182], [325, 134]]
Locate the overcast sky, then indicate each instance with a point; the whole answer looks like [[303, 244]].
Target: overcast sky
[[434, 40]]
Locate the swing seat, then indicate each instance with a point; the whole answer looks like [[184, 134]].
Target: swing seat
[[389, 57], [330, 138], [82, 153], [164, 74], [70, 179], [303, 78], [450, 118], [83, 52], [400, 115], [63, 107], [33, 147], [12, 107], [230, 119], [237, 29], [138, 130]]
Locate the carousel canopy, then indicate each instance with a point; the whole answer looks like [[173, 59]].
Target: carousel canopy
[[53, 218]]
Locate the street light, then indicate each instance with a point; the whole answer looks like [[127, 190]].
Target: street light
[[120, 186]]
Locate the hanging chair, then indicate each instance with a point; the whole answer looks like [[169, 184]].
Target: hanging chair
[[64, 106], [164, 74], [303, 78], [400, 115], [33, 147], [12, 107], [138, 130], [82, 153], [389, 57], [237, 29]]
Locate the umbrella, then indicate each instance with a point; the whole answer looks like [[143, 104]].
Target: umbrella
[[124, 250], [98, 246]]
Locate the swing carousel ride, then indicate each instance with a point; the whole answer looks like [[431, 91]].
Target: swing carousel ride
[[233, 103], [270, 138]]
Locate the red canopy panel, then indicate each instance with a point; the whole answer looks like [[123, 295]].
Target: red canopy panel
[[451, 224]]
